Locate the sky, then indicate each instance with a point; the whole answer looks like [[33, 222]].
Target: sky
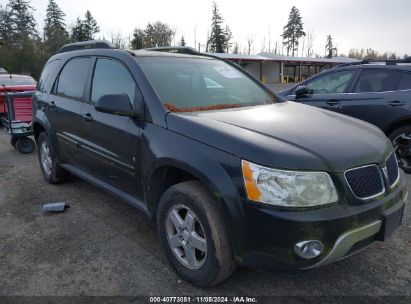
[[381, 25]]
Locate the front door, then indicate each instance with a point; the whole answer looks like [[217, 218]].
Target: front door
[[111, 142], [326, 91]]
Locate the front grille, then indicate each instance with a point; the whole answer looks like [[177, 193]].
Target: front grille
[[365, 182], [392, 169]]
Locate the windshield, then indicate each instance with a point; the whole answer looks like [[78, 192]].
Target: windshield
[[199, 84], [16, 81]]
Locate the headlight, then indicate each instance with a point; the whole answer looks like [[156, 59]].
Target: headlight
[[287, 188]]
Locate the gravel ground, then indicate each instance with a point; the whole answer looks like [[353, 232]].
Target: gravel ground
[[102, 246]]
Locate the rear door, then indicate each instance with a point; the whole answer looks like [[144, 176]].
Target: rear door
[[377, 96], [112, 141], [326, 91], [63, 108]]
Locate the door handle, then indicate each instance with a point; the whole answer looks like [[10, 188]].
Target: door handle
[[88, 117], [52, 105], [333, 102], [395, 103]]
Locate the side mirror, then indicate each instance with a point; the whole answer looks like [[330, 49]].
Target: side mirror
[[301, 91], [117, 104]]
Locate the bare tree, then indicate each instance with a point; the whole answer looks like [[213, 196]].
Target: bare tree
[[195, 35], [173, 35], [250, 41], [310, 43], [269, 39], [208, 41], [263, 45], [303, 46], [117, 40], [158, 34]]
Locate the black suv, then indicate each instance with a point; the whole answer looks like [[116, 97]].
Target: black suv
[[230, 174], [378, 92]]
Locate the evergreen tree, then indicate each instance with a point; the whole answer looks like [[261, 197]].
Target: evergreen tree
[[55, 33], [20, 22], [293, 31], [182, 41], [21, 49], [330, 49], [90, 26], [77, 32], [236, 48], [5, 27], [84, 29], [138, 39], [217, 40]]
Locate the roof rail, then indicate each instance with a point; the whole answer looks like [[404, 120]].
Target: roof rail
[[175, 49], [386, 61], [90, 44]]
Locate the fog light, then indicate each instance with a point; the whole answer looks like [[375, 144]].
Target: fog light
[[308, 249]]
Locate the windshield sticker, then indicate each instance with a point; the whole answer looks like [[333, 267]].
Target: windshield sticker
[[228, 72]]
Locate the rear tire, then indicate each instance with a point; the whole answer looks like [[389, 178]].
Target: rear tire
[[406, 130], [202, 254], [49, 166]]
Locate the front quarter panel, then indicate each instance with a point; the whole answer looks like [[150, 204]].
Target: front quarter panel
[[219, 171], [215, 168]]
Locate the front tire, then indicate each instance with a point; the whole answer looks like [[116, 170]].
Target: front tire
[[49, 166], [193, 234]]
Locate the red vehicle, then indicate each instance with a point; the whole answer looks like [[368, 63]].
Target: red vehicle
[[13, 83]]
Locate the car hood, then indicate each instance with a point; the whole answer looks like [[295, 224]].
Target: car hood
[[287, 135]]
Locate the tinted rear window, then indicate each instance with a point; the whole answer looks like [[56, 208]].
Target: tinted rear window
[[48, 76], [405, 83], [16, 81], [73, 78]]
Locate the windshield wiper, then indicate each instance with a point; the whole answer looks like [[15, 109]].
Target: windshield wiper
[[173, 108]]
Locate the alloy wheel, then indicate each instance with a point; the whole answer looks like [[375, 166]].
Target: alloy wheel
[[186, 237], [45, 158]]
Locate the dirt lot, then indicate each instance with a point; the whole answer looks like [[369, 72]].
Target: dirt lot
[[102, 246]]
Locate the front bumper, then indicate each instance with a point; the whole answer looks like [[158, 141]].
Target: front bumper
[[266, 235]]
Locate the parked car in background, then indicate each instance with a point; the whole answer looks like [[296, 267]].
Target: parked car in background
[[230, 174], [3, 71], [376, 92], [17, 83]]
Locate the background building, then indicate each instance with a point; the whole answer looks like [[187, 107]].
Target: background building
[[273, 68]]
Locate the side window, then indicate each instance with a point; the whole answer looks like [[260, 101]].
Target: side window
[[376, 80], [331, 83], [405, 82], [73, 78], [48, 76], [112, 77]]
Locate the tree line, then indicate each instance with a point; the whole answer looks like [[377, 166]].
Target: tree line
[[24, 50]]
